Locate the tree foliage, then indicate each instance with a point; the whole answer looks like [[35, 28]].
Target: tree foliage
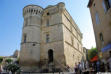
[[92, 52], [12, 67], [8, 60], [1, 59]]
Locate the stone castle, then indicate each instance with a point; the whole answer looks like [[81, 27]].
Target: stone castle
[[50, 39]]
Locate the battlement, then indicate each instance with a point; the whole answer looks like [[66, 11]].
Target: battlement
[[32, 10]]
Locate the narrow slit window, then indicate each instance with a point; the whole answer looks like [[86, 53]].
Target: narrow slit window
[[47, 22], [25, 37], [26, 21], [47, 38], [101, 37], [97, 18]]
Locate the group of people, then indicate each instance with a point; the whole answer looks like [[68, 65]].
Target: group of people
[[102, 66], [92, 67], [79, 68]]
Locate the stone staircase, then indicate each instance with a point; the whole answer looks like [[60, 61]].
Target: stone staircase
[[45, 67], [52, 67]]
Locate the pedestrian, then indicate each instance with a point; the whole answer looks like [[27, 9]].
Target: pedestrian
[[87, 65], [98, 66], [102, 68], [68, 68], [79, 68], [109, 62], [76, 68]]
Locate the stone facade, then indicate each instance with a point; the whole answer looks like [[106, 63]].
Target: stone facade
[[16, 54], [50, 36], [101, 18]]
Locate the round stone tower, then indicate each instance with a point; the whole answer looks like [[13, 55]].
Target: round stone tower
[[31, 34]]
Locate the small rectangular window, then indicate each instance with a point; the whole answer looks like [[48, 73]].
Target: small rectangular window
[[110, 53], [106, 5], [47, 38], [101, 37], [78, 46], [109, 3], [97, 18], [26, 21], [47, 22], [72, 40], [24, 38]]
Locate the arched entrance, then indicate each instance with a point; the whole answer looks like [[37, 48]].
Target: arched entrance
[[50, 56]]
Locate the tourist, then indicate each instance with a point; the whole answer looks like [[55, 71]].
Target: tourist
[[79, 68], [76, 68], [87, 65], [102, 67], [98, 65], [109, 62]]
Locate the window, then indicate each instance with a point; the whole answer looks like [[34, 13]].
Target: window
[[50, 56], [72, 40], [47, 38], [101, 37], [33, 44], [48, 13], [78, 46], [110, 53], [73, 56], [47, 22], [109, 3], [26, 21], [94, 4], [24, 38], [97, 18], [106, 4], [31, 10], [36, 11]]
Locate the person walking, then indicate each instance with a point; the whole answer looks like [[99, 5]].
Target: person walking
[[109, 62], [98, 66], [102, 67], [80, 68], [76, 68]]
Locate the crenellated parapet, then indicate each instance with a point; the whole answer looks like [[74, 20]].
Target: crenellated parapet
[[52, 9], [32, 10]]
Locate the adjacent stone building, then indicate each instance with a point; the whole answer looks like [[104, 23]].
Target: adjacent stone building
[[101, 18], [16, 54], [50, 39]]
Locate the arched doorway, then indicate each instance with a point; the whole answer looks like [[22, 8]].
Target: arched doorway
[[50, 56]]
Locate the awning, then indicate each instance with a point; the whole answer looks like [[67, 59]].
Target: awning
[[106, 48], [95, 58]]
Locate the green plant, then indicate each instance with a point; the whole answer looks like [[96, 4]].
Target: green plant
[[8, 60], [91, 53], [13, 68], [1, 59]]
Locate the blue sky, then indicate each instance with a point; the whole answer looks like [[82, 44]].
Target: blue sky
[[11, 21]]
